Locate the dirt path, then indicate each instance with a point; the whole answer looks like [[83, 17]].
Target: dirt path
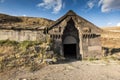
[[77, 70]]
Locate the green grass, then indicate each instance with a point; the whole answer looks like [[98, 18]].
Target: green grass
[[26, 44], [8, 43], [22, 45]]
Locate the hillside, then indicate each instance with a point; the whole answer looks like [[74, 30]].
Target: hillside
[[111, 37], [113, 29], [7, 21]]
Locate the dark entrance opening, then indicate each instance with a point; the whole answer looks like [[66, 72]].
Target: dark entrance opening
[[70, 51]]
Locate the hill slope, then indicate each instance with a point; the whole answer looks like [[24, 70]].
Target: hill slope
[[111, 37], [8, 21], [112, 29]]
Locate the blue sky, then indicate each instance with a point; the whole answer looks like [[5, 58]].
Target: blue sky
[[100, 12]]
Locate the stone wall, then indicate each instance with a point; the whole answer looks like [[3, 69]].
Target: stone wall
[[92, 48], [21, 35]]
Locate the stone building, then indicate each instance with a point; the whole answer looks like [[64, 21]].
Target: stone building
[[21, 34], [75, 37]]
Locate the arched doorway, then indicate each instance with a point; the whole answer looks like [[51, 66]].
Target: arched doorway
[[70, 41], [70, 47]]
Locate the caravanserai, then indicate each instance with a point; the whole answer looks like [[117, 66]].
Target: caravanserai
[[76, 37], [72, 36]]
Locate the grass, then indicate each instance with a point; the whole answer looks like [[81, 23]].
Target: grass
[[23, 54], [8, 43], [24, 22], [90, 59], [26, 44], [23, 44]]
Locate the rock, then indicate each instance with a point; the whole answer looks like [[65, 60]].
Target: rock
[[50, 61], [47, 48]]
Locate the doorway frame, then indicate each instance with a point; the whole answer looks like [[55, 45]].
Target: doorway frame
[[78, 56]]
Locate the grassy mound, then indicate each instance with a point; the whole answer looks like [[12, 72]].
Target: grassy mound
[[27, 54]]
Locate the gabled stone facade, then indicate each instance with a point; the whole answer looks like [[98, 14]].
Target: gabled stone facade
[[75, 37]]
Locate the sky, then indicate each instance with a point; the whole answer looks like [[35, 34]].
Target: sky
[[100, 12]]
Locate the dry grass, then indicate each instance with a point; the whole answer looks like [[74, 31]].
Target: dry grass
[[23, 22], [23, 54], [111, 28], [111, 37]]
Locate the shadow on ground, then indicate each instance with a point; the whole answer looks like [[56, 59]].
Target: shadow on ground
[[68, 60]]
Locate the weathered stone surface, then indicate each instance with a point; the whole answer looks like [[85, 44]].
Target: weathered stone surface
[[67, 30], [72, 29], [22, 35]]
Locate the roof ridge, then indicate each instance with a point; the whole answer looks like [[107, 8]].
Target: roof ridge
[[71, 12]]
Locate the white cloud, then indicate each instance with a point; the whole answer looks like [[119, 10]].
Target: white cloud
[[108, 5], [118, 24], [55, 5], [91, 3]]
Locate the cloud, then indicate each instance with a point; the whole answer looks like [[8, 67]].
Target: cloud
[[55, 5], [118, 24], [108, 5], [91, 3]]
